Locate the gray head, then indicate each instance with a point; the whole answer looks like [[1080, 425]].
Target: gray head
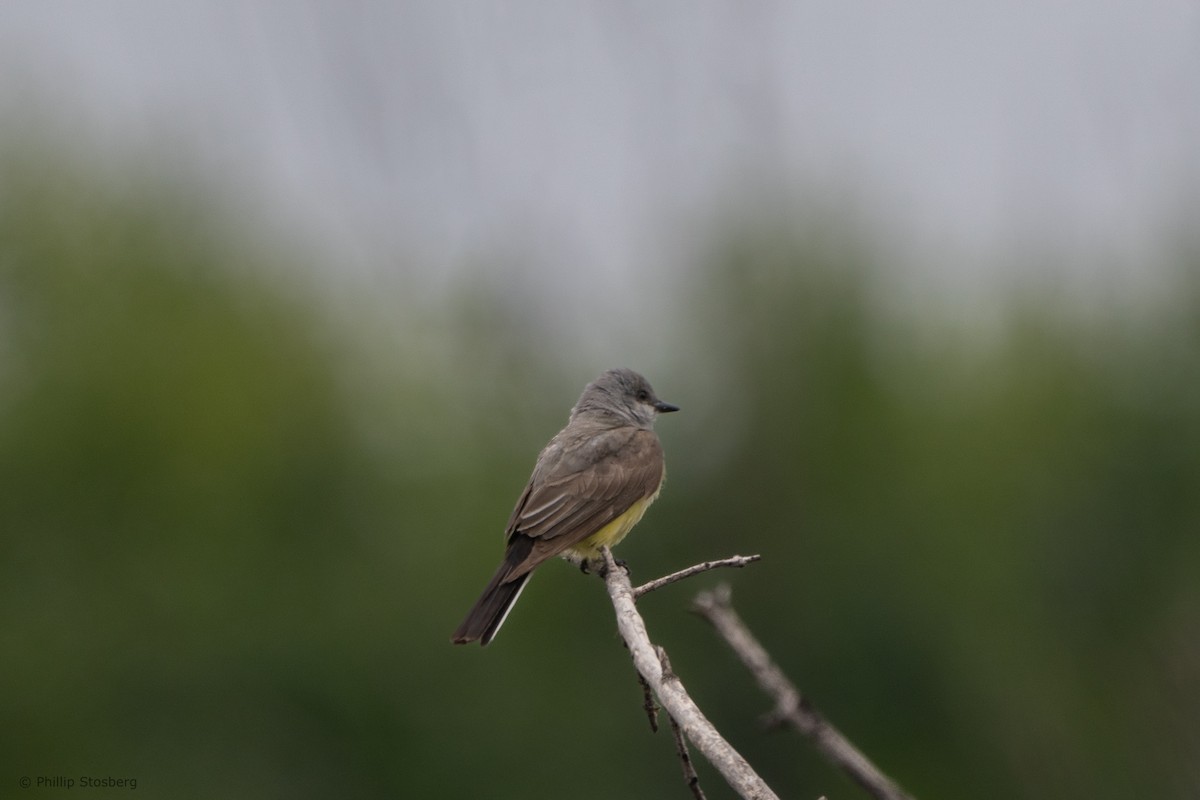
[[622, 396]]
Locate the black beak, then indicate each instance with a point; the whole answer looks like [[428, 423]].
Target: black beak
[[663, 408]]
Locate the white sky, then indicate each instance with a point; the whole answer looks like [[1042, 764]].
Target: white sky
[[590, 142]]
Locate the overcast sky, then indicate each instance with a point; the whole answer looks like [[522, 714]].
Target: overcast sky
[[599, 134]]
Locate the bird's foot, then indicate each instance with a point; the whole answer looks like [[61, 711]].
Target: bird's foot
[[602, 566]]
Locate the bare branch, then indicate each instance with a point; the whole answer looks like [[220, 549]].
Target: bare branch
[[648, 704], [790, 708], [685, 759], [658, 583], [671, 692]]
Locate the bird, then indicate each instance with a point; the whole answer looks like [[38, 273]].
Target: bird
[[590, 485]]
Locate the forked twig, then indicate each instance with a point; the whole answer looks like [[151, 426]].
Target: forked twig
[[669, 690]]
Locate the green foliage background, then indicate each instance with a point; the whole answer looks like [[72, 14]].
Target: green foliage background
[[237, 525]]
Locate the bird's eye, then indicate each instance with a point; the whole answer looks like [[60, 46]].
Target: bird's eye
[[643, 395]]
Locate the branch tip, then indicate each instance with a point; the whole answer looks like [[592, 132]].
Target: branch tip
[[736, 562]]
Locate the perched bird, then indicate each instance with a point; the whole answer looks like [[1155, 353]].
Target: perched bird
[[590, 486]]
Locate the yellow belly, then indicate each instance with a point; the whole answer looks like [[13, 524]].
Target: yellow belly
[[610, 534]]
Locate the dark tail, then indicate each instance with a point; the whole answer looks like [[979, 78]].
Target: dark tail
[[492, 607]]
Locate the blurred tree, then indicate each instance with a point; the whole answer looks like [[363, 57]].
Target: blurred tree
[[175, 457], [973, 542], [236, 531]]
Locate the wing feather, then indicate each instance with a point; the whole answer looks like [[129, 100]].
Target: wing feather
[[581, 485]]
